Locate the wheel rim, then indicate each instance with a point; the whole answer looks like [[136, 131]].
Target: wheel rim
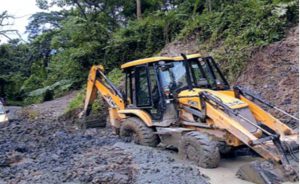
[[127, 139], [131, 136]]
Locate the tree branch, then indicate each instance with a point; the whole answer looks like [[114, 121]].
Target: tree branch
[[81, 9]]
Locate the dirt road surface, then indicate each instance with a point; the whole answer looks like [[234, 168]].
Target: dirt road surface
[[37, 148]]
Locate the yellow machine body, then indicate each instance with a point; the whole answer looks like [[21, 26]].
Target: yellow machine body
[[221, 125]]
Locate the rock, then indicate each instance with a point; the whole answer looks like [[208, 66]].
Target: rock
[[4, 162], [21, 148], [264, 172]]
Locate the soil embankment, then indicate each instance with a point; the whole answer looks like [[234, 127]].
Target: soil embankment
[[273, 73]]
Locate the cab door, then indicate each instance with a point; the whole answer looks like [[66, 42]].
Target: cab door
[[144, 90], [142, 86]]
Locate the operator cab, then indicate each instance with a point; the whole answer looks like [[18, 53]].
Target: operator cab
[[202, 73], [152, 83]]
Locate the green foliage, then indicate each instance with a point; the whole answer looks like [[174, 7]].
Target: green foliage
[[36, 79], [65, 44], [78, 46], [77, 101], [116, 76], [14, 62], [237, 28], [143, 38], [42, 22], [48, 92]]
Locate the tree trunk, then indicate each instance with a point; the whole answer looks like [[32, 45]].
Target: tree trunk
[[138, 9], [209, 5]]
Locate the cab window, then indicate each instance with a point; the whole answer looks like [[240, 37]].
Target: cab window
[[175, 77]]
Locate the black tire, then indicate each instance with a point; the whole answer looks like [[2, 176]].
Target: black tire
[[224, 149], [200, 148], [134, 129]]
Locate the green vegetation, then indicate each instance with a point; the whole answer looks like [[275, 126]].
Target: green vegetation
[[230, 32], [77, 101], [64, 44]]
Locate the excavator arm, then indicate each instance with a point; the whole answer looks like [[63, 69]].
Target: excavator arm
[[97, 81], [272, 146]]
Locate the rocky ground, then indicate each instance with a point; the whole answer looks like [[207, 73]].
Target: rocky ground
[[35, 147]]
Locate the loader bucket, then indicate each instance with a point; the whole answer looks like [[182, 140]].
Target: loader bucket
[[91, 121], [265, 172]]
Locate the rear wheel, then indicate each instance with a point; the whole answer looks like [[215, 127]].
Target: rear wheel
[[200, 148], [134, 129]]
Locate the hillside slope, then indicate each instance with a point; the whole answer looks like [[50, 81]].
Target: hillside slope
[[272, 71]]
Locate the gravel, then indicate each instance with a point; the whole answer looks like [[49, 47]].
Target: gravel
[[161, 166]]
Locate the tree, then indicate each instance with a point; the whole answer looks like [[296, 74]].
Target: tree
[[43, 22], [15, 62], [4, 23], [138, 9]]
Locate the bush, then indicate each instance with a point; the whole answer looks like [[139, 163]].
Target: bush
[[229, 34], [37, 78], [48, 92], [77, 101]]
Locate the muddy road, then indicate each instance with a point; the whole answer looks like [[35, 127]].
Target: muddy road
[[37, 147]]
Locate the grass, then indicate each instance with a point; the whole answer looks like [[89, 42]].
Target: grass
[[77, 101]]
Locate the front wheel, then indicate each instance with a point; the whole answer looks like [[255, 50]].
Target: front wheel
[[134, 129], [200, 148]]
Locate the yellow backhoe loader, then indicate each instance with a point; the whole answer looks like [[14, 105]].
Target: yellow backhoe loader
[[186, 102]]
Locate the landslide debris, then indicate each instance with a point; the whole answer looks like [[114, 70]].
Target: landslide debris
[[273, 73], [48, 152], [160, 166], [38, 147]]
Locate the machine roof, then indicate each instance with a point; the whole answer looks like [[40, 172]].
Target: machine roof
[[156, 59]]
